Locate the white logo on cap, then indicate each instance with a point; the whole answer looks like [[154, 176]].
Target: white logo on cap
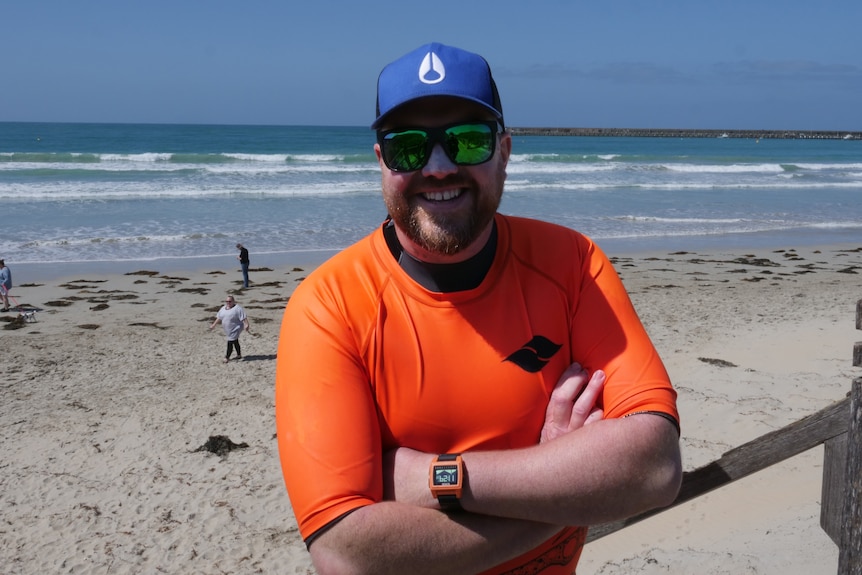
[[431, 70]]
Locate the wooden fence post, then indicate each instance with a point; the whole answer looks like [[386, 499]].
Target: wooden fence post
[[850, 555], [838, 467], [857, 348], [832, 489]]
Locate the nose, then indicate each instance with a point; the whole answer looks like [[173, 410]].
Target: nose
[[439, 165]]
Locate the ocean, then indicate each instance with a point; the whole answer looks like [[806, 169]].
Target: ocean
[[80, 196]]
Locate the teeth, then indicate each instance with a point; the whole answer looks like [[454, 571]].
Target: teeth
[[441, 196]]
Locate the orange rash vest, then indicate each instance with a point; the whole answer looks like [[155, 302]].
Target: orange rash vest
[[368, 360]]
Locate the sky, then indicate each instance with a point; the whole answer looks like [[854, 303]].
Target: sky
[[710, 64]]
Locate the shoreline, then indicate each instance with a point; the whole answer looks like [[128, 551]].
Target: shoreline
[[111, 397], [48, 271]]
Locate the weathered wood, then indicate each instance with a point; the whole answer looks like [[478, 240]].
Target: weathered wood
[[850, 555], [749, 458], [838, 427], [832, 490], [857, 347]]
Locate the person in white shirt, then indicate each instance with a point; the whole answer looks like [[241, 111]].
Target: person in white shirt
[[233, 320]]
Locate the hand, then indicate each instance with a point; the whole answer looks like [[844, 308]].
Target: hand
[[573, 402]]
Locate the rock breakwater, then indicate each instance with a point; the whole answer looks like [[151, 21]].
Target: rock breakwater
[[690, 133]]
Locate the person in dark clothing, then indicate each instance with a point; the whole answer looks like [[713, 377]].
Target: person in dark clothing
[[244, 261], [5, 284]]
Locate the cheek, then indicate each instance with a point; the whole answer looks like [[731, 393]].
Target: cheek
[[393, 196], [394, 185]]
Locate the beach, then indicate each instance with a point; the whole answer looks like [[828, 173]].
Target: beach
[[130, 447]]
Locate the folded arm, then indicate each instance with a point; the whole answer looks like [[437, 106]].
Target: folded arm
[[397, 538], [584, 471]]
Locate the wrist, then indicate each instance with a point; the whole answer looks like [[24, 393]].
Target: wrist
[[446, 479]]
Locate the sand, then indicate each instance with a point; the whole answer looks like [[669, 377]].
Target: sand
[[116, 402]]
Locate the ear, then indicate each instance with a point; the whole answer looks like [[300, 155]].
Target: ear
[[505, 147], [379, 156]]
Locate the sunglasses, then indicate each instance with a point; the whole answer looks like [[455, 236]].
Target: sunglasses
[[466, 144]]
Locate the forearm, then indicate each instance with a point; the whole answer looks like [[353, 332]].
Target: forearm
[[606, 471], [392, 537]]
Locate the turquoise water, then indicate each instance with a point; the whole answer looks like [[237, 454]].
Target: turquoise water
[[86, 193]]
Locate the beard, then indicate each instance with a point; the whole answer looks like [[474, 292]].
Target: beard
[[448, 233]]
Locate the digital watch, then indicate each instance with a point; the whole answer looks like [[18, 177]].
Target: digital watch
[[446, 478]]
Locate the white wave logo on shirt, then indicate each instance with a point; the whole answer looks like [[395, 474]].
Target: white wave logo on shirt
[[431, 70]]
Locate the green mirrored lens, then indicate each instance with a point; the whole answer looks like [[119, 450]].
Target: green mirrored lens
[[406, 151], [465, 144], [470, 144]]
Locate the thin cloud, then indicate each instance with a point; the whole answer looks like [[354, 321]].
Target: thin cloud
[[786, 71], [743, 72], [539, 72], [639, 73], [621, 73]]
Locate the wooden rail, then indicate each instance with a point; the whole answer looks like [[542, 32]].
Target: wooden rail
[[838, 427]]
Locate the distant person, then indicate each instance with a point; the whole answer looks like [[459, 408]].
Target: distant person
[[5, 284], [233, 320], [243, 262], [463, 391]]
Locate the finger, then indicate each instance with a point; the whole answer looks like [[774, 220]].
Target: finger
[[563, 396], [586, 402], [595, 415], [570, 382]]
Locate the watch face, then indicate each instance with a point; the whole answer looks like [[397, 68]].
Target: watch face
[[445, 475]]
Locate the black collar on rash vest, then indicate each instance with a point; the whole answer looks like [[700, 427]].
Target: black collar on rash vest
[[443, 278]]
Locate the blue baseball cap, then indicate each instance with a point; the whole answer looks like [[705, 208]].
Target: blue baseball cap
[[436, 70]]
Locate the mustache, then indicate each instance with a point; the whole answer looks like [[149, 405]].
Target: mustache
[[447, 183]]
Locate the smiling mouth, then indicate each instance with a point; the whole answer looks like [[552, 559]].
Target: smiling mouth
[[441, 196]]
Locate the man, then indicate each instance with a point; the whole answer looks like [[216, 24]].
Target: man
[[233, 320], [5, 284], [461, 391], [243, 262]]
